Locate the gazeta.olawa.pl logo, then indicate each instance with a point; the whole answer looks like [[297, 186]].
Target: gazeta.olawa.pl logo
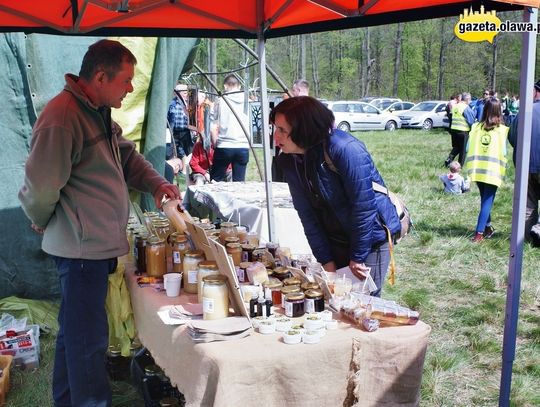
[[477, 26]]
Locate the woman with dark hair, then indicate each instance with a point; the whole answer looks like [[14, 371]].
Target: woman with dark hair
[[486, 162], [330, 175]]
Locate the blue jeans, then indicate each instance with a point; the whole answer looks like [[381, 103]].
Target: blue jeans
[[80, 377], [238, 157], [378, 260], [487, 196]]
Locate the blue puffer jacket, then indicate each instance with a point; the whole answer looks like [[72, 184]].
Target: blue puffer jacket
[[349, 193]]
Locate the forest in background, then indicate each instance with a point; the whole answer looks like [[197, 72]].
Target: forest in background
[[414, 61]]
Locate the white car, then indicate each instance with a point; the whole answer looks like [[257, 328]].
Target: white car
[[352, 115], [426, 115], [399, 107]]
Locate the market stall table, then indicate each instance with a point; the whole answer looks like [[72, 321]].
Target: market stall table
[[245, 203], [262, 370]]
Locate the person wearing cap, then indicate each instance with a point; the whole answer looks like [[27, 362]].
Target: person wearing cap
[[178, 121], [532, 224]]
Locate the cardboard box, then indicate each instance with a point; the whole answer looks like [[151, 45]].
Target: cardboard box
[[24, 347], [5, 364]]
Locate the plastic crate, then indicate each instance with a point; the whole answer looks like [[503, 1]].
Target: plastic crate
[[5, 364]]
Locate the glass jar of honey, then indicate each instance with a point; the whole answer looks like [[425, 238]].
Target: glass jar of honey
[[156, 262], [228, 229], [235, 251], [215, 297], [180, 246], [190, 265], [205, 268]]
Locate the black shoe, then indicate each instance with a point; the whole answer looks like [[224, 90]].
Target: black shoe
[[489, 231], [447, 162], [534, 238]]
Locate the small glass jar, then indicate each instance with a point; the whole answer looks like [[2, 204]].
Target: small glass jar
[[140, 251], [308, 285], [272, 247], [294, 305], [215, 297], [242, 234], [117, 365], [282, 273], [247, 252], [289, 289], [274, 285], [163, 230], [180, 247], [235, 251], [253, 238], [242, 271], [190, 265], [205, 268], [314, 301], [228, 229], [292, 281], [156, 262]]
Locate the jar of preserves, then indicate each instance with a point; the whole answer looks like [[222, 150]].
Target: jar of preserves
[[180, 247], [292, 281], [140, 251], [235, 251], [242, 234], [308, 285], [272, 247], [228, 229], [192, 258], [274, 285], [215, 297], [289, 289], [294, 305], [205, 268], [314, 301], [282, 273], [247, 252], [241, 271], [156, 262]]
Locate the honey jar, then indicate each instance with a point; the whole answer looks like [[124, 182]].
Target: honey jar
[[156, 262], [215, 297], [190, 265], [205, 268], [180, 247]]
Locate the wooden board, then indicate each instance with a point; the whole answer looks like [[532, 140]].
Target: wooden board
[[200, 240]]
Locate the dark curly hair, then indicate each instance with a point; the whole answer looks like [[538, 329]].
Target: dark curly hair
[[311, 122]]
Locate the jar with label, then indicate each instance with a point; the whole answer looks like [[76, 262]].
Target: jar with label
[[180, 247], [274, 285], [205, 268], [156, 262], [242, 270], [215, 297], [272, 247], [190, 265], [228, 229], [292, 281], [140, 251], [282, 273], [242, 234], [294, 305], [247, 252], [163, 230], [314, 301], [235, 251], [285, 290]]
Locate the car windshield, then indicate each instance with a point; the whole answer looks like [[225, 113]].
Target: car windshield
[[384, 105], [424, 107]]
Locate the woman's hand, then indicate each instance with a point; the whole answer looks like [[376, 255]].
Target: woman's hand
[[359, 269], [330, 267]]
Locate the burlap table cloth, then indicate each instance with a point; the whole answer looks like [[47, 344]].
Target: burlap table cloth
[[262, 370]]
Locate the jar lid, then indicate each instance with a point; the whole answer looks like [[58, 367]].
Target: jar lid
[[194, 253], [208, 264], [292, 281], [271, 245], [152, 370], [314, 294], [269, 272], [232, 239], [280, 271], [207, 226], [178, 237], [235, 246], [295, 296], [272, 283], [308, 285], [227, 225], [216, 279], [155, 240], [245, 264], [248, 247], [290, 289], [114, 350]]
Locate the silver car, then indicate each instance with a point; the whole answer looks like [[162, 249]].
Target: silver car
[[352, 115], [426, 115]]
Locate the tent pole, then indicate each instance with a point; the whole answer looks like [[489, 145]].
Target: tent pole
[[266, 138], [528, 59]]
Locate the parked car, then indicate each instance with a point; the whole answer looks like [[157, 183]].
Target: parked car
[[426, 115], [399, 107], [352, 115], [383, 103]]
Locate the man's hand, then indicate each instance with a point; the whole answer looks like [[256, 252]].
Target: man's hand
[[37, 229], [359, 269], [176, 164], [170, 190], [330, 267], [207, 176]]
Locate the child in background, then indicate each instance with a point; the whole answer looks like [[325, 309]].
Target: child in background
[[453, 182]]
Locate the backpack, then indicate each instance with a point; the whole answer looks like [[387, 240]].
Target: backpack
[[401, 209]]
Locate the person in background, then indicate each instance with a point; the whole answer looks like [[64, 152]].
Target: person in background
[[453, 182], [479, 105], [342, 215], [486, 162], [454, 100], [75, 193], [228, 137], [178, 119], [462, 120], [532, 223], [300, 88]]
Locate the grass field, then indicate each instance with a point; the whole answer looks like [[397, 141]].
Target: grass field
[[458, 287]]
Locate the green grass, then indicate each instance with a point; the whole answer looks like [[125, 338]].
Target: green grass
[[458, 287]]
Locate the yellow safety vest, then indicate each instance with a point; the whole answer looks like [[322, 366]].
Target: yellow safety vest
[[486, 154], [458, 120]]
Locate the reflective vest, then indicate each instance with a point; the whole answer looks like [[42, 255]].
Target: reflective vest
[[486, 154], [458, 120]]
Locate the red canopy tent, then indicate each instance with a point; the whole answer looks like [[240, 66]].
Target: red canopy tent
[[264, 19]]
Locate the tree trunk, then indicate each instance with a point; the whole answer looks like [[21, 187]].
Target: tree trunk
[[302, 56], [314, 66], [493, 69], [212, 60], [397, 58], [427, 66], [442, 60], [366, 66]]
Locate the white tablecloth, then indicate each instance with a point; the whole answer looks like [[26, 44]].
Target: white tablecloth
[[245, 203]]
